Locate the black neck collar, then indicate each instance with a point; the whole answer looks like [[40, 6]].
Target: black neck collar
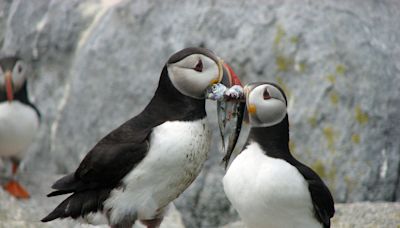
[[168, 104], [273, 140], [21, 96]]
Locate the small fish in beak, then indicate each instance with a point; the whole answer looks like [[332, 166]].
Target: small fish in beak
[[230, 109]]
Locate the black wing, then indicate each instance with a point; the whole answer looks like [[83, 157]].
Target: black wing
[[322, 199], [100, 171]]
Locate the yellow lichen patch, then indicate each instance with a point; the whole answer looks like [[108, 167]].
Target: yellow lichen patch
[[292, 146], [294, 39], [319, 168], [283, 63], [334, 97], [331, 78], [280, 82], [361, 117], [341, 69], [307, 151], [349, 183], [331, 178], [280, 33], [312, 120], [332, 174], [355, 138], [301, 67], [330, 137]]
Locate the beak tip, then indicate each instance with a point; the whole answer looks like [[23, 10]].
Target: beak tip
[[233, 78]]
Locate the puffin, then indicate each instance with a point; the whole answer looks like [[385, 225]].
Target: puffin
[[19, 118], [265, 184], [138, 169]]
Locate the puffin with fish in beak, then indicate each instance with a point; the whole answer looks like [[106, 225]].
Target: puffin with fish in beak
[[139, 168], [265, 183]]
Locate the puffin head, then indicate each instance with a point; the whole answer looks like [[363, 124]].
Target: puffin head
[[193, 70], [266, 104], [13, 74]]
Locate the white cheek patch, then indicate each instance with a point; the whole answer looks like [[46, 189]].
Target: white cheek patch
[[19, 74], [187, 81], [268, 111], [190, 82], [271, 112]]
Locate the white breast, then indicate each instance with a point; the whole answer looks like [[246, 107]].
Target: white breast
[[268, 192], [177, 152], [18, 126]]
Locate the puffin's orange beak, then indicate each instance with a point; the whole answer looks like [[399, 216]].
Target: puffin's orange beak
[[8, 85], [251, 108], [233, 78]]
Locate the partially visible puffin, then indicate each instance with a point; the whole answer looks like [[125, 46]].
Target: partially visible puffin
[[19, 118], [135, 171], [265, 183]]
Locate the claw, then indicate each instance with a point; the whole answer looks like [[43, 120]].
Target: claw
[[16, 190]]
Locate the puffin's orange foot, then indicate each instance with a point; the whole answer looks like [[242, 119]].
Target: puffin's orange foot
[[15, 189]]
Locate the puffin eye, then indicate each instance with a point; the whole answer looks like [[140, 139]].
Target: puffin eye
[[19, 68], [199, 66], [266, 95]]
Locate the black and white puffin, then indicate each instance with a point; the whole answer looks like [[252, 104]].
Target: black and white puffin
[[19, 118], [135, 171], [265, 183]]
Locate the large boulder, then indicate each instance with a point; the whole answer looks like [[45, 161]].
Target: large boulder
[[97, 63]]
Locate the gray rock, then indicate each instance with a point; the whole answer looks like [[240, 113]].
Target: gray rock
[[366, 214], [97, 64]]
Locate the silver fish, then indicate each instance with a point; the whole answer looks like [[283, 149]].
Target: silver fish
[[230, 112]]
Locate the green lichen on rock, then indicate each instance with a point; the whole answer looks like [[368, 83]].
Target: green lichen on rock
[[319, 168], [280, 33], [280, 82], [312, 120], [331, 78], [341, 69], [283, 63], [355, 138], [301, 67], [330, 136], [292, 147], [294, 39], [334, 97], [360, 116]]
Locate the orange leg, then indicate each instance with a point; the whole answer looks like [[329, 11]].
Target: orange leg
[[14, 188]]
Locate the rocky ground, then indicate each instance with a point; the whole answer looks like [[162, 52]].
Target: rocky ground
[[359, 215], [27, 213]]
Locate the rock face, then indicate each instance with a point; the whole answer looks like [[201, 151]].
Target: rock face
[[97, 64]]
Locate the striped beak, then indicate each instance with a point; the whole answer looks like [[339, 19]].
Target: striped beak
[[8, 85]]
